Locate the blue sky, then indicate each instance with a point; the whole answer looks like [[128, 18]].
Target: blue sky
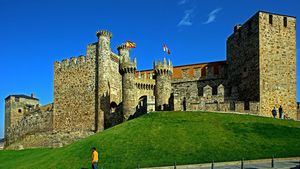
[[34, 34]]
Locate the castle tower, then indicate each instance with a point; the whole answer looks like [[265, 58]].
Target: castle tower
[[261, 56], [103, 60], [163, 72], [16, 107], [127, 70]]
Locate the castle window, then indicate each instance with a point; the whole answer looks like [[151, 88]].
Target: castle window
[[270, 19], [245, 69], [285, 21], [17, 99], [197, 72], [20, 110], [215, 90], [216, 70], [203, 72], [185, 73]]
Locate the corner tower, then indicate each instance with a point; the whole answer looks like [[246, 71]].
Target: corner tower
[[261, 56], [277, 63], [16, 107], [163, 72], [127, 70]]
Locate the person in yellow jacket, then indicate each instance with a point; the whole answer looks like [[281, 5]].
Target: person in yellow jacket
[[94, 158]]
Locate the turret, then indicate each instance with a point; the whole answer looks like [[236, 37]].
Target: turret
[[123, 52], [127, 70], [163, 72], [102, 77]]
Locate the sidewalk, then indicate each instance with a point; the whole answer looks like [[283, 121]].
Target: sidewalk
[[279, 163]]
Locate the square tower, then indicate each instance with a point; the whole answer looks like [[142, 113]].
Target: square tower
[[261, 57], [16, 107]]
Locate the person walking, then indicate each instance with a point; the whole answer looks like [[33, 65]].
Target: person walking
[[274, 113], [94, 158], [280, 110]]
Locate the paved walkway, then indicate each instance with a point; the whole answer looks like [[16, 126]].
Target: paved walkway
[[279, 163]]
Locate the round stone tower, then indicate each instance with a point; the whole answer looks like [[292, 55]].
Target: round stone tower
[[127, 70], [102, 78], [163, 72]]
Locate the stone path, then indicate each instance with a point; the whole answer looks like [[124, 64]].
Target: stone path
[[280, 163]]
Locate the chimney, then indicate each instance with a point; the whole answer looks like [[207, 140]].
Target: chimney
[[32, 95]]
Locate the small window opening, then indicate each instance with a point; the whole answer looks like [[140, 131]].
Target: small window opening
[[270, 19], [216, 70], [285, 21], [203, 72], [20, 110]]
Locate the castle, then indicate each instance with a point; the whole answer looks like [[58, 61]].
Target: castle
[[103, 89]]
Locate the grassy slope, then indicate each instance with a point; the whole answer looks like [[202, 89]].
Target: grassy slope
[[162, 138]]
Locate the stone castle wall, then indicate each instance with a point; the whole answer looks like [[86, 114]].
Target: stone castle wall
[[277, 63], [243, 61], [74, 94], [102, 89], [35, 122], [16, 108], [204, 86]]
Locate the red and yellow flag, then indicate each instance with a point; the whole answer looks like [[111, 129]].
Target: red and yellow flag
[[130, 44]]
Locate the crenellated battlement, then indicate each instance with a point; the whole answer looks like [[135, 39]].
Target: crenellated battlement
[[127, 66], [104, 33], [72, 62], [122, 46], [164, 67], [145, 83]]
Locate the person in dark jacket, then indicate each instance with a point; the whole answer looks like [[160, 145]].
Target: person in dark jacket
[[280, 110], [274, 113]]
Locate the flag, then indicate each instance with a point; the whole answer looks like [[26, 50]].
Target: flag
[[166, 49], [130, 44]]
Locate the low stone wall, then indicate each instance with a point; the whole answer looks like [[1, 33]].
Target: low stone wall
[[238, 106], [48, 139], [35, 122]]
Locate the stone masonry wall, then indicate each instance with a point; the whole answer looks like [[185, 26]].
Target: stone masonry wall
[[192, 94], [16, 109], [35, 122], [74, 93], [243, 62], [277, 63]]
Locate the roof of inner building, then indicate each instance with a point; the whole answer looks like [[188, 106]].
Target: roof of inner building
[[177, 70], [21, 96]]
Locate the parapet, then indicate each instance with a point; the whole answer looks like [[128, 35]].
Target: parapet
[[122, 46], [127, 66], [123, 50], [104, 33], [72, 62], [164, 67]]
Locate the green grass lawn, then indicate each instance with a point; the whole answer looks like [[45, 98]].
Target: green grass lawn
[[159, 139]]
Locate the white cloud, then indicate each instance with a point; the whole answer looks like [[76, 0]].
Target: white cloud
[[212, 16], [186, 20], [182, 2]]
